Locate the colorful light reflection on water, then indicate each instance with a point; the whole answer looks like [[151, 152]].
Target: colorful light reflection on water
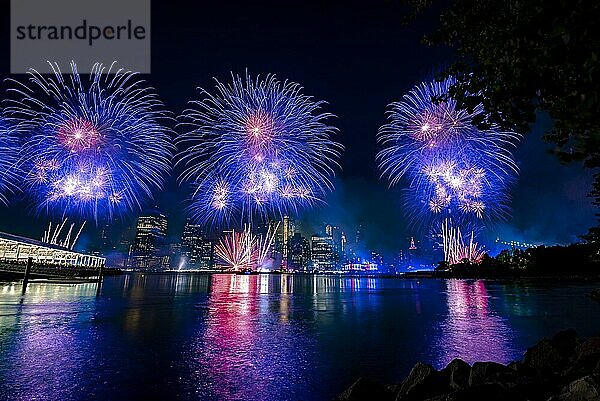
[[263, 337]]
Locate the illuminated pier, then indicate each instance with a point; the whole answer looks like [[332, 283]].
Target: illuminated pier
[[17, 250]]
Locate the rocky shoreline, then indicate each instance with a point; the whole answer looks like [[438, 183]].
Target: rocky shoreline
[[564, 368]]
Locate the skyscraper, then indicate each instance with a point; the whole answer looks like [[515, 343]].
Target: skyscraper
[[196, 248], [322, 252], [338, 243], [299, 257], [148, 249], [288, 232]]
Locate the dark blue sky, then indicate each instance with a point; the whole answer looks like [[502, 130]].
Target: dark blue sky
[[358, 57]]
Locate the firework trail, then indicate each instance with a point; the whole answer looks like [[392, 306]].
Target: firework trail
[[256, 148], [453, 167], [236, 250], [264, 245], [53, 236], [244, 250], [10, 169], [455, 248], [95, 146]]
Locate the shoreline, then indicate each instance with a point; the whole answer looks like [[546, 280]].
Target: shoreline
[[563, 368], [423, 275]]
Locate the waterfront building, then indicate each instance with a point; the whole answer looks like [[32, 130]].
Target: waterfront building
[[149, 246], [299, 257], [15, 249], [197, 250], [322, 252], [338, 243]]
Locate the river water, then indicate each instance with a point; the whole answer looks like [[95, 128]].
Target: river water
[[264, 337]]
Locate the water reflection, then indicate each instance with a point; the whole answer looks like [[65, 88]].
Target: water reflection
[[472, 330], [263, 337], [48, 351], [244, 350]]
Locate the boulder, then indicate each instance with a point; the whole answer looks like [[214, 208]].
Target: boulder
[[588, 347], [423, 382], [584, 389], [565, 343], [492, 373], [366, 390], [457, 373], [543, 356], [482, 392]]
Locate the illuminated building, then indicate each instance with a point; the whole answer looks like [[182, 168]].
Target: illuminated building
[[338, 242], [148, 249], [361, 266], [196, 249], [299, 257], [288, 230], [322, 252], [17, 249], [377, 259], [514, 244]]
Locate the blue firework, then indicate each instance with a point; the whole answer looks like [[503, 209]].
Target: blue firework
[[256, 147], [96, 146], [10, 168], [451, 167]]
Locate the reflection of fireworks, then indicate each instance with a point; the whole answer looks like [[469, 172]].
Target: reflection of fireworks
[[9, 151], [455, 247], [96, 146], [244, 250], [454, 167], [256, 147]]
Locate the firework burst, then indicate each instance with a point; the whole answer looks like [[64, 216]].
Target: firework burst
[[236, 250], [256, 147], [95, 146], [246, 251], [452, 167], [10, 171]]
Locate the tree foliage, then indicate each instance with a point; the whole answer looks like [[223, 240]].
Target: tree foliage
[[523, 57]]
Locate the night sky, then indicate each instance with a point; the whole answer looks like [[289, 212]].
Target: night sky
[[357, 57]]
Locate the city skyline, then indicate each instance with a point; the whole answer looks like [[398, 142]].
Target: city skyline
[[566, 212]]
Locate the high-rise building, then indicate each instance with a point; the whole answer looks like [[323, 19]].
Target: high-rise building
[[197, 250], [322, 252], [338, 243], [377, 259], [299, 257], [287, 233], [149, 246]]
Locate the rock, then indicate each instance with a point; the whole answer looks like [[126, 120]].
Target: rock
[[457, 372], [565, 342], [584, 389], [482, 392], [543, 356], [582, 367], [492, 372], [588, 347], [366, 390], [423, 382], [523, 371]]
